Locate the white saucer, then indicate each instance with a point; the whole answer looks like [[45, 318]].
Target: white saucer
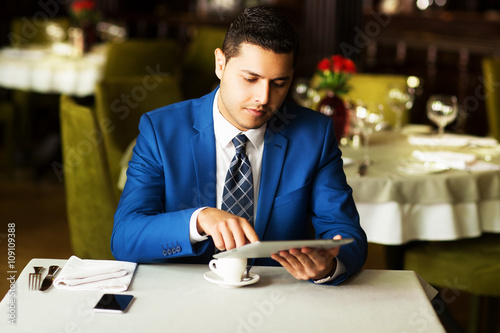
[[214, 278]]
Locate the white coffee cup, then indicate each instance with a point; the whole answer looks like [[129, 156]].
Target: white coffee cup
[[229, 269]]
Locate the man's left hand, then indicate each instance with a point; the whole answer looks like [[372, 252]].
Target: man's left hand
[[308, 263]]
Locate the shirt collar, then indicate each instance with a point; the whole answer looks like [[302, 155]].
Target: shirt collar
[[225, 131]]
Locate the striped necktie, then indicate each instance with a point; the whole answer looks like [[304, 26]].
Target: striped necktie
[[237, 197]]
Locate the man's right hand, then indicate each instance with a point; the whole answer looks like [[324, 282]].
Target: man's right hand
[[227, 230]]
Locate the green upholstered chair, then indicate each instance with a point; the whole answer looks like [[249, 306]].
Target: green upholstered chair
[[491, 73], [120, 102], [470, 265], [90, 199], [373, 88], [93, 142], [142, 57], [198, 66]]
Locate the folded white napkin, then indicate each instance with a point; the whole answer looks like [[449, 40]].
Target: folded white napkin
[[453, 160], [483, 166], [105, 275], [459, 161], [450, 140]]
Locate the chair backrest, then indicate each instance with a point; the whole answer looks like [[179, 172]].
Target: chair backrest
[[120, 102], [198, 66], [491, 73], [142, 57], [373, 88], [90, 199]]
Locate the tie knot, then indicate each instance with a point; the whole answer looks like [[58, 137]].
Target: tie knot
[[239, 142]]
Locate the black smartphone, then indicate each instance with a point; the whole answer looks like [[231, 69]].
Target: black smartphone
[[114, 303]]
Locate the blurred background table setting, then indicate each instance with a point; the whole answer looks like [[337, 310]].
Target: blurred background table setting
[[421, 193], [63, 55], [40, 69], [410, 181]]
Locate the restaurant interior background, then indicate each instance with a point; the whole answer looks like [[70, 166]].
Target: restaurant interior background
[[440, 42]]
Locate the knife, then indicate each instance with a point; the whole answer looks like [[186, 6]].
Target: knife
[[47, 282]]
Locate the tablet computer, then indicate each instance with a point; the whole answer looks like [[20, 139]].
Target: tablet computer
[[264, 249]]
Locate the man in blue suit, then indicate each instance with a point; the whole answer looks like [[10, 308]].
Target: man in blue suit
[[170, 211]]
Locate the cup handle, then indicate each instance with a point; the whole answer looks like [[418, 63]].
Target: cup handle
[[213, 266]]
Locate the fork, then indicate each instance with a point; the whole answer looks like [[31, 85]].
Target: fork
[[35, 278]]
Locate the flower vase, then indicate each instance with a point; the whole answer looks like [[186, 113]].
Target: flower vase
[[334, 106], [89, 36]]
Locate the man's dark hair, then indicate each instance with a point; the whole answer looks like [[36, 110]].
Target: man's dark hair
[[264, 27]]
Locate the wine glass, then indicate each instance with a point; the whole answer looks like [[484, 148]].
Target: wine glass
[[442, 110], [303, 94], [369, 118], [55, 33], [299, 91], [399, 100]]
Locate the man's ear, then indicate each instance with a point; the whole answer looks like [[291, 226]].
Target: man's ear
[[220, 62]]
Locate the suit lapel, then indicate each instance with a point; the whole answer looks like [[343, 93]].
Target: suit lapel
[[272, 164], [203, 150]]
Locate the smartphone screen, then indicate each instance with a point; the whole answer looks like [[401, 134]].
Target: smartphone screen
[[114, 303]]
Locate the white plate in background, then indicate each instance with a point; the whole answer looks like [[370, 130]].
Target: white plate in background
[[348, 161]]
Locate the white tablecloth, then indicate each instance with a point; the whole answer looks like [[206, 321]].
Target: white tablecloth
[[396, 207], [393, 223], [176, 298], [40, 70]]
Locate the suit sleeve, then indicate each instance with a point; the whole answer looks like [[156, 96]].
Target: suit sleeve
[[333, 208], [143, 231]]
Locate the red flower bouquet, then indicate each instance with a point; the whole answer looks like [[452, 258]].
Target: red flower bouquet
[[333, 74], [84, 12]]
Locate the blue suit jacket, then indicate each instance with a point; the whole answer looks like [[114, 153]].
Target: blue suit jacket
[[303, 189]]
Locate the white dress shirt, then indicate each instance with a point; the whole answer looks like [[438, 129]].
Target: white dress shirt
[[225, 151]]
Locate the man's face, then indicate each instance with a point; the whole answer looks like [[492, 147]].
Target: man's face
[[253, 85]]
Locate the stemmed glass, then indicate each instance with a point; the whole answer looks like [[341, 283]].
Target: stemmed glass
[[299, 91], [369, 118], [55, 32], [303, 94], [442, 110], [399, 98]]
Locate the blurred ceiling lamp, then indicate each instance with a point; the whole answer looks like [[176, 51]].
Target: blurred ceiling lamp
[[413, 81], [390, 7], [424, 4]]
